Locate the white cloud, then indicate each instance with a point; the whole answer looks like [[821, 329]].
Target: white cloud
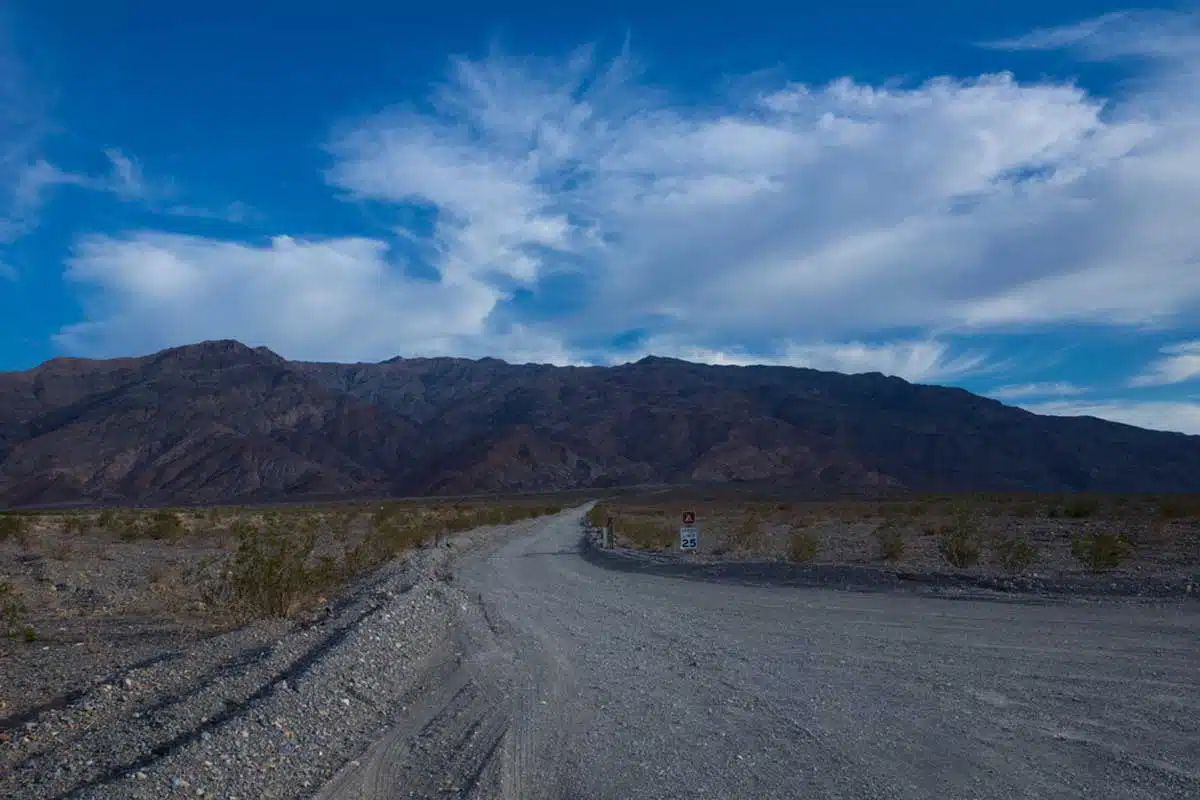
[[814, 217], [1051, 389], [802, 212], [1157, 33], [23, 177], [911, 360], [1180, 363], [1180, 416], [235, 212], [336, 299], [126, 179]]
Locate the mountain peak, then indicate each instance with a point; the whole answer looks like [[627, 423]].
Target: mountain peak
[[218, 352]]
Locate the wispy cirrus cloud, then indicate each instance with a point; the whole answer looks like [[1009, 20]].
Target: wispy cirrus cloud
[[923, 360], [1179, 363], [1181, 415], [1154, 33], [1024, 390]]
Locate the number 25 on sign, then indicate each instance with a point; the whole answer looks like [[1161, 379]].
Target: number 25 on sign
[[689, 537]]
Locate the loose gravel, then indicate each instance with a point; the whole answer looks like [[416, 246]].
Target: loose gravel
[[267, 711]]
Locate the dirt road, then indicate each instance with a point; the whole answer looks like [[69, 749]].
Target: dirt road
[[567, 680]]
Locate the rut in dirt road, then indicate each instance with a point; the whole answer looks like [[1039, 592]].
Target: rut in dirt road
[[581, 682]]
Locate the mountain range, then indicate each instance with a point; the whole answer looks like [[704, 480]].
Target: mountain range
[[223, 422]]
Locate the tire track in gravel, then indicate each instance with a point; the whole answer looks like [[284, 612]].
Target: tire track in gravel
[[488, 726]]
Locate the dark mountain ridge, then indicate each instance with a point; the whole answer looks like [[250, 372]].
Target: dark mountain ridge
[[222, 422]]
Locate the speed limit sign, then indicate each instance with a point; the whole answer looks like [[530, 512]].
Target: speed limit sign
[[689, 538]]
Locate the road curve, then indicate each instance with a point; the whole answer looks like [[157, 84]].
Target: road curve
[[579, 682]]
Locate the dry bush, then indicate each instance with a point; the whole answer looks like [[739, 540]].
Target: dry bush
[[1074, 507], [108, 520], [748, 534], [75, 524], [1101, 551], [803, 546], [959, 548], [958, 541], [645, 532], [1014, 553], [14, 527], [1179, 507], [12, 614], [892, 545], [281, 564], [598, 516]]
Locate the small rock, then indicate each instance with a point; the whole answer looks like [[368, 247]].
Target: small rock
[[141, 776], [179, 783]]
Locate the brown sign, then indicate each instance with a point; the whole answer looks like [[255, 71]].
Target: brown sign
[[689, 518]]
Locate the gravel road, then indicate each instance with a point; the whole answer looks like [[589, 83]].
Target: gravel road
[[506, 665], [577, 681]]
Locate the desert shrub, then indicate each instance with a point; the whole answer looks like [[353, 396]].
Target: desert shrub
[[960, 548], [748, 534], [645, 532], [1179, 507], [1101, 551], [268, 575], [12, 615], [803, 546], [1014, 553], [107, 519], [164, 524], [937, 527], [1024, 510], [892, 545], [75, 524], [13, 526], [1080, 507], [598, 516]]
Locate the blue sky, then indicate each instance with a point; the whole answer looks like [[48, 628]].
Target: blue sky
[[1005, 200]]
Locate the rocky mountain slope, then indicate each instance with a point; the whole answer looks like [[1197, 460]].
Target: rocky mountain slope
[[219, 421]]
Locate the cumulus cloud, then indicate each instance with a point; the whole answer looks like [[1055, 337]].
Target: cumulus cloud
[[334, 299], [1182, 416], [1180, 362], [1050, 389], [844, 225], [843, 209]]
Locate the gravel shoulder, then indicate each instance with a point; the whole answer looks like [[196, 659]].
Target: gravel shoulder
[[1179, 584], [269, 710]]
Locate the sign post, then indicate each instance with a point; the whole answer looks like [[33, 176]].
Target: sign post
[[689, 535]]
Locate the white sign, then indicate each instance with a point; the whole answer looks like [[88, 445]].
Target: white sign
[[689, 538]]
